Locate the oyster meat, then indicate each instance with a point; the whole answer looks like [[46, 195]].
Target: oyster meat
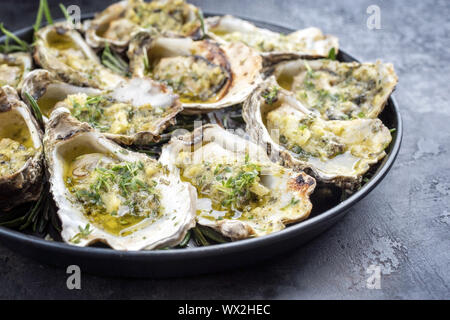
[[134, 112], [116, 24], [46, 88], [275, 47], [108, 194], [61, 49], [338, 90], [241, 193], [334, 151], [21, 152], [14, 67], [204, 74]]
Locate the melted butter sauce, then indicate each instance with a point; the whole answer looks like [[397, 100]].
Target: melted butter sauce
[[15, 141], [113, 224]]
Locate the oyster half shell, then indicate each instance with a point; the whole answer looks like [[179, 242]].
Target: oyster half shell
[[21, 152], [47, 89], [241, 193], [14, 67], [338, 90], [134, 112], [273, 46], [61, 49], [108, 194], [207, 76], [116, 24], [334, 151]]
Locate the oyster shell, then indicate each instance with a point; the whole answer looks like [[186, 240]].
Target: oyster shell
[[108, 194], [338, 90], [241, 193], [134, 112], [61, 49], [21, 152], [116, 24], [334, 151], [204, 74], [46, 88], [14, 67], [273, 46]]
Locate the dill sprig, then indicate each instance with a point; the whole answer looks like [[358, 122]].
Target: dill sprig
[[83, 234], [114, 62]]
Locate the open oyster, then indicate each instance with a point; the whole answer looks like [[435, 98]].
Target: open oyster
[[241, 193], [21, 152], [333, 151], [275, 47], [105, 193], [205, 75], [46, 88], [116, 24], [60, 49], [13, 68], [338, 90], [134, 112]]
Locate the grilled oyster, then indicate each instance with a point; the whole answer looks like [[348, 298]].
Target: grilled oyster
[[241, 193], [13, 68], [21, 152], [339, 90], [105, 193], [60, 49], [47, 90], [116, 24], [135, 112], [273, 46], [205, 75], [333, 151]]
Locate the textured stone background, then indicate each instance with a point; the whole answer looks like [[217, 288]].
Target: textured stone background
[[402, 226]]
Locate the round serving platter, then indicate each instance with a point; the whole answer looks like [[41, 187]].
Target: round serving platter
[[219, 257]]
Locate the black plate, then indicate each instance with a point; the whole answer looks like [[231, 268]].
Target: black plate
[[181, 262]]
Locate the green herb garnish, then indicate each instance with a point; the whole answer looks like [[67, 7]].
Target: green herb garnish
[[35, 107], [332, 54], [83, 234], [114, 62], [270, 96], [7, 47]]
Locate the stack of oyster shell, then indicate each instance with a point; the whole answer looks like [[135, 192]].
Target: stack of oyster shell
[[308, 119]]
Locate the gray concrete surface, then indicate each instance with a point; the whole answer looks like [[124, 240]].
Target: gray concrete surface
[[403, 226]]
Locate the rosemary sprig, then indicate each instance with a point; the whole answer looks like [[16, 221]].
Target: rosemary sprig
[[212, 235], [36, 216], [7, 47], [202, 22], [65, 13], [187, 238], [199, 237], [332, 54], [114, 62], [43, 10], [35, 107]]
